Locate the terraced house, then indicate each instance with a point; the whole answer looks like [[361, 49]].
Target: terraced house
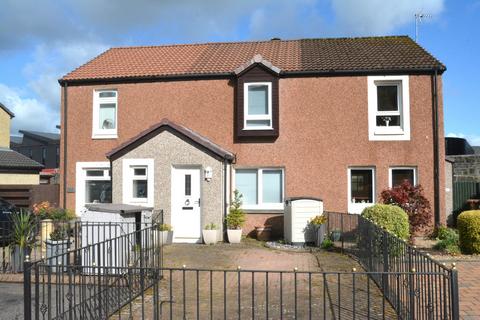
[[179, 127]]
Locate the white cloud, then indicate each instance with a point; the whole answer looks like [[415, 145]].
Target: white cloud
[[473, 139], [30, 113], [375, 17]]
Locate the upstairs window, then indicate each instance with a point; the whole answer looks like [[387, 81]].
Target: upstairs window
[[388, 105], [105, 114], [258, 106]]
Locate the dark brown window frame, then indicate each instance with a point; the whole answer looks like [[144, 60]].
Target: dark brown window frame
[[256, 73]]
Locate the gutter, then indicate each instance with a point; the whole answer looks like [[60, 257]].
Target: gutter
[[436, 160], [229, 75]]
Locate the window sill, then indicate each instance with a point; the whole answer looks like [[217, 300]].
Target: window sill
[[389, 135], [99, 136], [263, 211], [257, 128]]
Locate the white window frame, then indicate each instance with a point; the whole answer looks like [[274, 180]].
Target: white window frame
[[352, 206], [127, 181], [247, 117], [389, 133], [81, 178], [260, 204], [390, 174], [98, 133]]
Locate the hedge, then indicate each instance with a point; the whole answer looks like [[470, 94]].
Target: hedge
[[468, 224], [391, 217]]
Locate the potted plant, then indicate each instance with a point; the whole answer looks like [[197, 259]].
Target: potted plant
[[235, 219], [57, 246], [23, 238], [318, 223], [163, 234], [209, 233], [263, 232]]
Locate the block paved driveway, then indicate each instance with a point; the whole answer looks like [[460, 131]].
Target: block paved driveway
[[469, 289], [230, 295]]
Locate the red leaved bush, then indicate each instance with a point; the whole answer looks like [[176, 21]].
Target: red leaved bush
[[411, 199]]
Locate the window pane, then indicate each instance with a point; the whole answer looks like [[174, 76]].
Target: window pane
[[107, 94], [387, 98], [258, 123], [107, 116], [400, 175], [188, 184], [98, 191], [140, 171], [388, 121], [140, 189], [362, 186], [272, 186], [246, 184], [94, 173], [258, 100]]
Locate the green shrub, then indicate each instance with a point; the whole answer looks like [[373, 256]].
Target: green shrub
[[448, 240], [327, 244], [164, 227], [468, 224], [390, 217]]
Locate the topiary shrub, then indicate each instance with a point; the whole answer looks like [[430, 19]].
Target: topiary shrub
[[468, 224], [391, 217]]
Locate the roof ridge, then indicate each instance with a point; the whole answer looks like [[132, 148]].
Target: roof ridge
[[249, 42]]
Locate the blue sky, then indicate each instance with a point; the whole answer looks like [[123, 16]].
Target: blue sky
[[40, 40]]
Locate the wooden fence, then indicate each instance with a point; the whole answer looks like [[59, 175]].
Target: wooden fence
[[24, 196]]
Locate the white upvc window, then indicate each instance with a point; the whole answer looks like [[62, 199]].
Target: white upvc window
[[257, 108], [105, 114], [397, 175], [261, 188], [138, 175], [388, 108], [361, 188], [93, 184]]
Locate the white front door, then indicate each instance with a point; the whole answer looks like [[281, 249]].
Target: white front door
[[361, 189], [186, 204]]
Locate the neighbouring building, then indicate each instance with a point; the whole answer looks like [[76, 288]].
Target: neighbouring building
[[15, 168], [180, 127], [464, 162]]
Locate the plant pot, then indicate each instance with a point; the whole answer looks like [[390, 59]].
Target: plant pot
[[57, 253], [234, 235], [320, 235], [209, 236], [45, 230], [17, 258], [162, 237], [264, 233], [336, 235]]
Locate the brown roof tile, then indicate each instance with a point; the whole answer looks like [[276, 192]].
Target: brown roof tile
[[393, 53]]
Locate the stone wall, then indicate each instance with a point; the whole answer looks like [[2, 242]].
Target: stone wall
[[466, 167]]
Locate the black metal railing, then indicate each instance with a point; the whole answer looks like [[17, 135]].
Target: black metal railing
[[78, 281], [78, 234], [185, 293], [432, 287], [123, 277]]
